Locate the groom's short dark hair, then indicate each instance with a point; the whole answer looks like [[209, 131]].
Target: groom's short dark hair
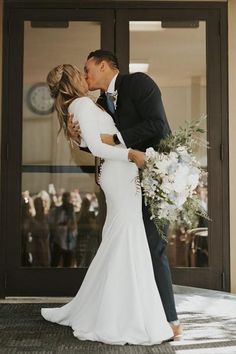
[[100, 55]]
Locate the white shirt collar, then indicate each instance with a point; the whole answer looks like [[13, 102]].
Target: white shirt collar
[[111, 87]]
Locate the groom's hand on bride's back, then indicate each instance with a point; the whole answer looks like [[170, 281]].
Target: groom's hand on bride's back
[[74, 131]]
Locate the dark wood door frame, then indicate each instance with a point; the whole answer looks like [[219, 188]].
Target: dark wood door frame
[[216, 276], [16, 279], [14, 12]]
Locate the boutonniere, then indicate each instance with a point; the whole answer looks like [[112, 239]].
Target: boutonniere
[[114, 97]]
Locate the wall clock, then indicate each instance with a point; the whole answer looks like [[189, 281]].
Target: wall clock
[[39, 99]]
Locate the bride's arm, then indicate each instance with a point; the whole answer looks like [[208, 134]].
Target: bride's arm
[[85, 112]]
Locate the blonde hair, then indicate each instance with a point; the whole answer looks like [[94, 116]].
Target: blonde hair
[[64, 89]]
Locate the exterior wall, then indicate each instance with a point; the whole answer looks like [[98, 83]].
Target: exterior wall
[[232, 132], [1, 20]]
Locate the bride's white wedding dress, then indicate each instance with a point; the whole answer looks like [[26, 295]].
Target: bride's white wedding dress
[[118, 301]]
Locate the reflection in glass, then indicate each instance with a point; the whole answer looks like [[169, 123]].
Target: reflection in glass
[[62, 208], [174, 55], [61, 227]]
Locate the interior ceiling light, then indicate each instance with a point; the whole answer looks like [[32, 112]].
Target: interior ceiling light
[[141, 67], [145, 26]]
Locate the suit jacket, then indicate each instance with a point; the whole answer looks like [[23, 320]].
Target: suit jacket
[[139, 116]]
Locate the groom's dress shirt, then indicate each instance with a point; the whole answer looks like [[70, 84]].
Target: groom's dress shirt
[[111, 90], [111, 87]]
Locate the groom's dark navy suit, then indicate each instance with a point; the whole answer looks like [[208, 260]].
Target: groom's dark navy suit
[[141, 120]]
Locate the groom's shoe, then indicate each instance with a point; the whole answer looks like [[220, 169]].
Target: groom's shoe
[[177, 330]]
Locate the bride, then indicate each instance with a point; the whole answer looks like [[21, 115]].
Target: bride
[[118, 301]]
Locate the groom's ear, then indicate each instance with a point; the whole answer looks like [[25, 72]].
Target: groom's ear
[[103, 65]]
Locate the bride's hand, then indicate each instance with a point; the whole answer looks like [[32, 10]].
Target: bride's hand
[[73, 129], [138, 157]]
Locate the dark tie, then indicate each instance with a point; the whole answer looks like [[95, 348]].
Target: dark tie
[[110, 102]]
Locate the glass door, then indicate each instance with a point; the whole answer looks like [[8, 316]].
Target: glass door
[[178, 49], [181, 47], [57, 209]]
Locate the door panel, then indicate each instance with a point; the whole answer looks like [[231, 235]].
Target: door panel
[[180, 50], [153, 45], [49, 240], [50, 175]]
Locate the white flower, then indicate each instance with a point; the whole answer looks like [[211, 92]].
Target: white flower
[[150, 153], [180, 181], [163, 163], [181, 150], [193, 180]]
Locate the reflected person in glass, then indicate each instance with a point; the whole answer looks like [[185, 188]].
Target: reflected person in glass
[[63, 229], [118, 301]]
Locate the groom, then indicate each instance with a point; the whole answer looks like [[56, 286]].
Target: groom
[[134, 101]]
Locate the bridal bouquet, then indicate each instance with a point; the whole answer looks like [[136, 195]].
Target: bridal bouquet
[[170, 177]]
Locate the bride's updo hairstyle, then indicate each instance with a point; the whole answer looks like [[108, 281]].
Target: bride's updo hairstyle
[[64, 82]]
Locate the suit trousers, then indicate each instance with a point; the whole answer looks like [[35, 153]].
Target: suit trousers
[[160, 263]]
